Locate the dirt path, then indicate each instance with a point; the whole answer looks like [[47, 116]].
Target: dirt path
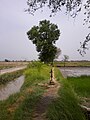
[[47, 98], [12, 69]]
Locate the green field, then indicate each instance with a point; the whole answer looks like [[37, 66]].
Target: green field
[[20, 106], [81, 85], [66, 106]]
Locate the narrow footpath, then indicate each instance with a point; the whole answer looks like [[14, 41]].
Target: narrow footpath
[[47, 98]]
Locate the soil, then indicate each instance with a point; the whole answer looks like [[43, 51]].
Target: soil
[[47, 98], [9, 70], [86, 102]]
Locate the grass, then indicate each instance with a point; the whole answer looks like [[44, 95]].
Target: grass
[[5, 67], [81, 85], [10, 76], [26, 108], [20, 106], [65, 107]]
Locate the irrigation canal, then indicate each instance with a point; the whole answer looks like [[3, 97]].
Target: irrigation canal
[[15, 85], [75, 71], [11, 88]]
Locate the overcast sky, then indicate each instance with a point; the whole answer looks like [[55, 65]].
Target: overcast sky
[[14, 23]]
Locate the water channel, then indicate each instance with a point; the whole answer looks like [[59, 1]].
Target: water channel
[[11, 88], [15, 85], [75, 71]]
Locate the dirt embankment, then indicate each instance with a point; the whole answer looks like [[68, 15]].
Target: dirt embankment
[[49, 95], [12, 69]]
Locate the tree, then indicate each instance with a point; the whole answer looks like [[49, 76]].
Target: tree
[[58, 53], [44, 37], [84, 45], [73, 7], [65, 58], [6, 60]]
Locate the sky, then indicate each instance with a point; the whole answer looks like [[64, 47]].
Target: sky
[[15, 23]]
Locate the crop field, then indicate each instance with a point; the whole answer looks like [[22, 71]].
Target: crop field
[[5, 65], [81, 85], [20, 106], [73, 63], [72, 92]]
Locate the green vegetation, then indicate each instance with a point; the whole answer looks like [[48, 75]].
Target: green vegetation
[[81, 85], [44, 36], [65, 107], [20, 106], [10, 76], [72, 8], [37, 72], [5, 67]]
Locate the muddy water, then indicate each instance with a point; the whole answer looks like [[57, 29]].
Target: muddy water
[[75, 71], [11, 88]]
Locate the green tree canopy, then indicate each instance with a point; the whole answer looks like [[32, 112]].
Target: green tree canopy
[[44, 37]]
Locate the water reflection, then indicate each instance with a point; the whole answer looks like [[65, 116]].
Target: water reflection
[[75, 71], [11, 88]]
